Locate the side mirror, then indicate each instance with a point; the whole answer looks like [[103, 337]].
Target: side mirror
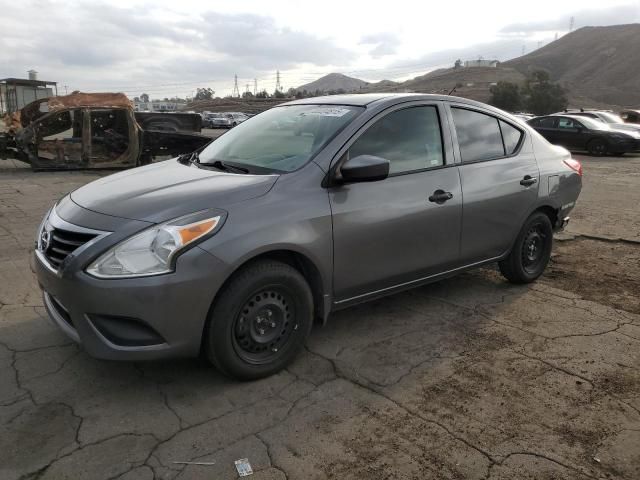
[[364, 168]]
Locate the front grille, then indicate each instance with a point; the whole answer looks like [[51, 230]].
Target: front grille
[[62, 243]]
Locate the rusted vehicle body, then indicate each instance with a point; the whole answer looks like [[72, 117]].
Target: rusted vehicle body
[[95, 130]]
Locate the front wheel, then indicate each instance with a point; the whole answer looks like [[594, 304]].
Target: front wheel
[[259, 321], [531, 251]]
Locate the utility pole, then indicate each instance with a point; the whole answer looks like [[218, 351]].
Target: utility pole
[[278, 84], [65, 90], [572, 21], [556, 36], [246, 86], [255, 87], [236, 92], [523, 50]]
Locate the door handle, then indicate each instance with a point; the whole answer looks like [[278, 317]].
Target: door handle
[[528, 180], [440, 196]]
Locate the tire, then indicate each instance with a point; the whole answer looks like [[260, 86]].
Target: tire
[[531, 251], [259, 321], [597, 147]]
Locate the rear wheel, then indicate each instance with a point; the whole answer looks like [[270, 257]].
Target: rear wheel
[[259, 321], [531, 251], [597, 147]]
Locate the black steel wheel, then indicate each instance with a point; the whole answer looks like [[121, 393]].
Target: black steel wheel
[[531, 250], [259, 321], [264, 326], [597, 147]]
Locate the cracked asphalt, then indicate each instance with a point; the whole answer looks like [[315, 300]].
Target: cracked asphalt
[[468, 378]]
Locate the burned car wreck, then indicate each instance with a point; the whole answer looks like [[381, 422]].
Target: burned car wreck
[[95, 130]]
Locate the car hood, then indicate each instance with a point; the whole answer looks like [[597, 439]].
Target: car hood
[[625, 128], [166, 190]]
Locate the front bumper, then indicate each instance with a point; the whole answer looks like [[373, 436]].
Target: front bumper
[[140, 318]]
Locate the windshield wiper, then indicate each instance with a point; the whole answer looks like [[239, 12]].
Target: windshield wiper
[[226, 167]]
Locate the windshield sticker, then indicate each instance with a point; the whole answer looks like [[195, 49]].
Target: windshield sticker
[[327, 112]]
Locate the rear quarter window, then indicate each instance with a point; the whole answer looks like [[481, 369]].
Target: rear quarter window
[[511, 137]]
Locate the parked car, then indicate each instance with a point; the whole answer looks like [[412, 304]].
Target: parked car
[[237, 118], [612, 119], [217, 120], [235, 250], [579, 133], [630, 116]]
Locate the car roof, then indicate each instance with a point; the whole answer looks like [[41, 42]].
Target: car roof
[[365, 99]]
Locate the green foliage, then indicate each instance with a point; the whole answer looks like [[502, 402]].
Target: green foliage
[[507, 96], [542, 96], [278, 94], [539, 95], [458, 64], [204, 94], [262, 94]]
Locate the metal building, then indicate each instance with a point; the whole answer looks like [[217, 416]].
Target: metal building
[[15, 93]]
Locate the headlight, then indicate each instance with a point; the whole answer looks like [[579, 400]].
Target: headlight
[[152, 251]]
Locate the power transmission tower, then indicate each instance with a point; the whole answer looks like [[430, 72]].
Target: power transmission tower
[[236, 91], [255, 86], [572, 21], [523, 49], [278, 84], [246, 88], [556, 36]]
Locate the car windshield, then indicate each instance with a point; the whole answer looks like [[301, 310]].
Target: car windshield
[[610, 117], [281, 139]]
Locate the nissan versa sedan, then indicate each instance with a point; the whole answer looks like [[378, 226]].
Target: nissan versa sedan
[[579, 133], [307, 208]]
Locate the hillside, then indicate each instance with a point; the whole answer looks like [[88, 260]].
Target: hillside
[[471, 82], [600, 63], [334, 81]]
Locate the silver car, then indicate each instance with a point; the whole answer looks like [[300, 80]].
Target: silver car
[[234, 251]]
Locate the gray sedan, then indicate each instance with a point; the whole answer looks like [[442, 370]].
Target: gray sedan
[[310, 207]]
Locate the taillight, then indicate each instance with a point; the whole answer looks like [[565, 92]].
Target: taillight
[[574, 165]]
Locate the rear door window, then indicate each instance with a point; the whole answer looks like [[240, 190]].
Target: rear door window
[[479, 136]]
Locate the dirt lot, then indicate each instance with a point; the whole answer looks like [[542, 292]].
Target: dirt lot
[[469, 378]]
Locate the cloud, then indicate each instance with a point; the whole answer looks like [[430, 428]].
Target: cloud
[[384, 43], [258, 39], [97, 46], [616, 15], [502, 49]]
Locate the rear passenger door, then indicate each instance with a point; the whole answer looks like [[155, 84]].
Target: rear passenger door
[[499, 177]]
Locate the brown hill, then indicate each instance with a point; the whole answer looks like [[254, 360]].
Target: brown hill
[[469, 82], [333, 82], [599, 63]]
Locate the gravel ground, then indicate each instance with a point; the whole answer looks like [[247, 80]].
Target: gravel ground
[[467, 378]]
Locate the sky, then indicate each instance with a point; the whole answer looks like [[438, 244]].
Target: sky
[[170, 48]]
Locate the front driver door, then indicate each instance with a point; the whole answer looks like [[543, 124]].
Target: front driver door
[[388, 233]]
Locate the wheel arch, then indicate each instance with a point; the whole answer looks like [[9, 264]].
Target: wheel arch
[[298, 260]]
